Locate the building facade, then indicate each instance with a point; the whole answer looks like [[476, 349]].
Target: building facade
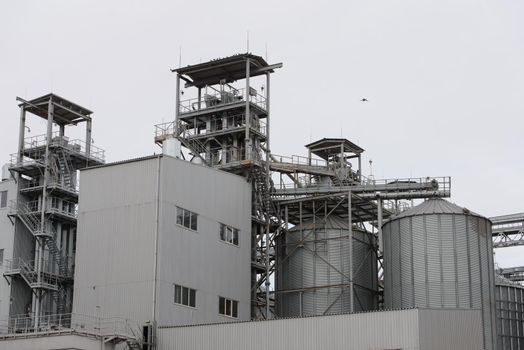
[[168, 237]]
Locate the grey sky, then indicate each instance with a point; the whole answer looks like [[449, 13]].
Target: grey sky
[[444, 79]]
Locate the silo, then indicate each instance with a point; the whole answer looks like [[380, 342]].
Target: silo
[[313, 269], [439, 255], [509, 298]]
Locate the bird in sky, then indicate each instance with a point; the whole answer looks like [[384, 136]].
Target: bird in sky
[[364, 100]]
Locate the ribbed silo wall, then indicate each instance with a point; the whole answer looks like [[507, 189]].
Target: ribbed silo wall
[[314, 269], [440, 260], [510, 316]]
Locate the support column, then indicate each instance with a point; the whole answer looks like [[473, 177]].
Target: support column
[[360, 168], [177, 102], [350, 237], [88, 138], [40, 242], [21, 135], [247, 116], [268, 203], [379, 223]]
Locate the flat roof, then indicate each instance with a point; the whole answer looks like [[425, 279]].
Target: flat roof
[[328, 146], [229, 68], [64, 111]]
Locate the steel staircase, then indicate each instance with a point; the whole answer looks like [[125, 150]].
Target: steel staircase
[[65, 168], [33, 223]]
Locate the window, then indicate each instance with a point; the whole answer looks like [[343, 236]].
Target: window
[[186, 218], [227, 307], [185, 296], [1, 257], [3, 199], [229, 234]]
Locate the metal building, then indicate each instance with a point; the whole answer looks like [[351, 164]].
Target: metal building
[[163, 240], [43, 215], [439, 255], [509, 298]]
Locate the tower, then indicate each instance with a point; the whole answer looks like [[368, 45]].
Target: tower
[[222, 117], [44, 214]]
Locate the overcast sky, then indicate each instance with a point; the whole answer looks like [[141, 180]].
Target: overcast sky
[[444, 79]]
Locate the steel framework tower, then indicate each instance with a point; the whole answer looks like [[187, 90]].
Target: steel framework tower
[[225, 124], [223, 121], [45, 212]]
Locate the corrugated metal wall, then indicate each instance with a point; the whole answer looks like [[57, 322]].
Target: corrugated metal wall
[[315, 256], [510, 317], [114, 273], [440, 261], [442, 329]]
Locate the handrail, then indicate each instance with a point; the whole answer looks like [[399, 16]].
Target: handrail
[[23, 325], [221, 98]]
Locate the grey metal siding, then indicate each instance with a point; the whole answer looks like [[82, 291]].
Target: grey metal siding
[[200, 260], [115, 241], [315, 263], [440, 260], [510, 316], [450, 329], [402, 329]]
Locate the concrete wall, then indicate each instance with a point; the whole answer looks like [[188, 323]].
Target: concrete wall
[[121, 209], [403, 329], [6, 243]]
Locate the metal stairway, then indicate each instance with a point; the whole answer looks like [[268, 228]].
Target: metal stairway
[[33, 223], [65, 168]]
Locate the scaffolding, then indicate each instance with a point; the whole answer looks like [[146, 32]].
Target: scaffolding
[[224, 123], [44, 214]]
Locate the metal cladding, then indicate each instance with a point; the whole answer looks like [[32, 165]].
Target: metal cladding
[[439, 255], [509, 297], [314, 264]]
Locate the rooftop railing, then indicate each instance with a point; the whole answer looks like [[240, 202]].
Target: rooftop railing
[[76, 146], [24, 325], [215, 99]]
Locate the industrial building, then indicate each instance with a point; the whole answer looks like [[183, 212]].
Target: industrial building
[[218, 242]]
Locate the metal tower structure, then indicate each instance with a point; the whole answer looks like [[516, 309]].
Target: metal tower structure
[[44, 215], [223, 121]]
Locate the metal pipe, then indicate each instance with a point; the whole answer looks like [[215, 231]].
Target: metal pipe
[[21, 135], [268, 202], [350, 237], [177, 102], [247, 140], [379, 224], [88, 138]]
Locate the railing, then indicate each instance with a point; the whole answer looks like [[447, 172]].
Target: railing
[[76, 146], [216, 125], [441, 184], [56, 205], [216, 99], [300, 160], [23, 325], [26, 161]]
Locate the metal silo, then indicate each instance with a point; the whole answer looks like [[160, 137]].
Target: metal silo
[[509, 297], [439, 255], [313, 269]]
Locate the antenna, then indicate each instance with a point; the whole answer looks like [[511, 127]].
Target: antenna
[[247, 38], [266, 52], [179, 56]]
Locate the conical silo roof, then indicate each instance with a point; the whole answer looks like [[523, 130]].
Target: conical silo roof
[[435, 206]]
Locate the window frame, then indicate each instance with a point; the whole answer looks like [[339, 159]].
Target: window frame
[[187, 293], [182, 215], [3, 199], [228, 307], [228, 234]]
